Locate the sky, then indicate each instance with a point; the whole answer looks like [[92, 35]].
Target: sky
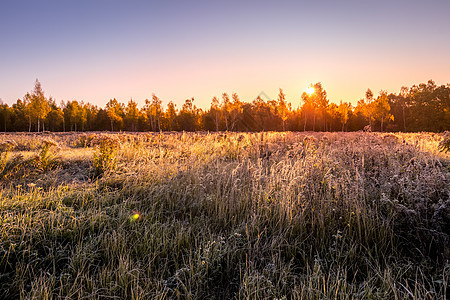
[[97, 50]]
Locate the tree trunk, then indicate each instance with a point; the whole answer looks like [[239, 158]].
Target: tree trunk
[[404, 121], [37, 124], [304, 126], [314, 122], [112, 128], [151, 123]]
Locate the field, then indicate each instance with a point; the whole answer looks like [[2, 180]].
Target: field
[[224, 216]]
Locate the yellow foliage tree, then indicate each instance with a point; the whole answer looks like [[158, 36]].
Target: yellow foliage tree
[[381, 108]]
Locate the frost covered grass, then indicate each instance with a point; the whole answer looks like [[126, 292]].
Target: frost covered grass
[[229, 215]]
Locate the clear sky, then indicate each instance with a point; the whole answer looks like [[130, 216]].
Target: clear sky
[[92, 50]]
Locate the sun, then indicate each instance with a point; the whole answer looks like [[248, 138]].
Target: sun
[[310, 90]]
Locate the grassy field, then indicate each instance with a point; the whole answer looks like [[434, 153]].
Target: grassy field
[[224, 216]]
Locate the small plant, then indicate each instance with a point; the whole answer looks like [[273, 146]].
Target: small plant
[[390, 139], [46, 159], [5, 149], [105, 156], [8, 165], [85, 140], [309, 143], [444, 145]]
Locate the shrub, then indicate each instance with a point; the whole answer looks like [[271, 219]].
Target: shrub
[[7, 164], [5, 149], [444, 145], [46, 158], [105, 155], [85, 140]]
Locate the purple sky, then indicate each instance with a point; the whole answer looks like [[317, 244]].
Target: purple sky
[[97, 50]]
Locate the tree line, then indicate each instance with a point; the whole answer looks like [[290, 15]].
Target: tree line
[[423, 107]]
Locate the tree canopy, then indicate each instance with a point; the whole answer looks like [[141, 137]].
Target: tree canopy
[[422, 107]]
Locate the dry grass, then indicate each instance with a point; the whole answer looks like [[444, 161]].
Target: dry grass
[[231, 215]]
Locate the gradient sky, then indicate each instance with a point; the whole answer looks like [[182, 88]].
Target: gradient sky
[[97, 50]]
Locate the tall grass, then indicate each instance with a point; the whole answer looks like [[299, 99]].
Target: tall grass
[[232, 215]]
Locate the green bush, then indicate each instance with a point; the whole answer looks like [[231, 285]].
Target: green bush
[[46, 158], [5, 149], [7, 164], [105, 156]]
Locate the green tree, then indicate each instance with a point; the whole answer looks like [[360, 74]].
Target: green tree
[[261, 115], [335, 117], [429, 107], [381, 109], [153, 110], [72, 113], [235, 110], [55, 117], [115, 110], [403, 97], [83, 114], [171, 115], [215, 112], [308, 108], [321, 102], [188, 116], [132, 115], [314, 102], [360, 113], [27, 109], [91, 112], [344, 109], [5, 114], [19, 116], [283, 108], [226, 109], [39, 107], [368, 108]]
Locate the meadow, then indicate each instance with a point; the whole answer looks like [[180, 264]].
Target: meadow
[[224, 216]]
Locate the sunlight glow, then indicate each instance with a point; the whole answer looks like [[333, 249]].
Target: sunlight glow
[[310, 90]]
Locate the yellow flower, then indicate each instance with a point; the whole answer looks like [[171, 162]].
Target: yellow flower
[[136, 216]]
